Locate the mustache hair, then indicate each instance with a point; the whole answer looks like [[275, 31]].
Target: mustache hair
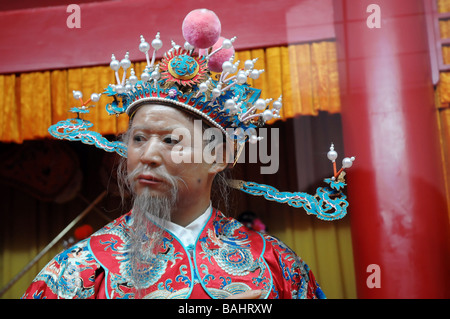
[[158, 172], [126, 181]]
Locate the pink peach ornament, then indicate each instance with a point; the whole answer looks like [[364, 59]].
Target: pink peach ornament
[[224, 54], [201, 28]]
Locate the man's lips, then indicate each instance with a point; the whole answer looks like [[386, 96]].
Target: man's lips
[[148, 179]]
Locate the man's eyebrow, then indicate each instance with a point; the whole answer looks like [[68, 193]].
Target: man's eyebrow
[[152, 128]]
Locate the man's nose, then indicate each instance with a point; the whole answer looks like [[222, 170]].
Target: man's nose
[[151, 154]]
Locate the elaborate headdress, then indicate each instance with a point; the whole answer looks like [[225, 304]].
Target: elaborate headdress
[[202, 78]]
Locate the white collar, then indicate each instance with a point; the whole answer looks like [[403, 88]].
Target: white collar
[[189, 234]]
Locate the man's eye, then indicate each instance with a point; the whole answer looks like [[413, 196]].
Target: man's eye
[[138, 138], [170, 140]]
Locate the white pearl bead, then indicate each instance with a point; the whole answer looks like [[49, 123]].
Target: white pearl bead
[[95, 97], [115, 65], [156, 75], [267, 115], [332, 155], [254, 74], [125, 63], [133, 79], [248, 65], [253, 139], [77, 95], [227, 44], [277, 105], [260, 104], [347, 162], [145, 76], [188, 46], [144, 47], [227, 66], [241, 77], [216, 92], [120, 89], [229, 104], [157, 44], [202, 87]]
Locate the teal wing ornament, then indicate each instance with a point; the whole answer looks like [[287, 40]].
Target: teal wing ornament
[[329, 203]]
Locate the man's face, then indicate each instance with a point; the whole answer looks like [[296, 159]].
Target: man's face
[[154, 146]]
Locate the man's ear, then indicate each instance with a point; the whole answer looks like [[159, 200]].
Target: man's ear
[[218, 167], [221, 158]]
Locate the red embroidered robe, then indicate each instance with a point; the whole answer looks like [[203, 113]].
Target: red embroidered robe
[[227, 259]]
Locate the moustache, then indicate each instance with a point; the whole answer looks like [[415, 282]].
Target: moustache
[[157, 174]]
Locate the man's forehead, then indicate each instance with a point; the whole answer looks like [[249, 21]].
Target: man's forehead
[[152, 113], [159, 126], [159, 108], [152, 116]]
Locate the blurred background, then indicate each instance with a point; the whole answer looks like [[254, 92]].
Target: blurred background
[[372, 77]]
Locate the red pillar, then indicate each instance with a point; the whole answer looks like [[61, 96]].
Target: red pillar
[[397, 200]]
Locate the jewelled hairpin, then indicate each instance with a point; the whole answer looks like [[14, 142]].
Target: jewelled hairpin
[[329, 203]]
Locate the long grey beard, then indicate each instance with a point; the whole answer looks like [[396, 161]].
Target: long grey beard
[[150, 215]]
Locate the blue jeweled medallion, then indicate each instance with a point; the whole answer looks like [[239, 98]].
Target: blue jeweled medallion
[[183, 67]]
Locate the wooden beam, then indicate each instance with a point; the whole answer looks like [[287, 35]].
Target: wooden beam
[[39, 38]]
